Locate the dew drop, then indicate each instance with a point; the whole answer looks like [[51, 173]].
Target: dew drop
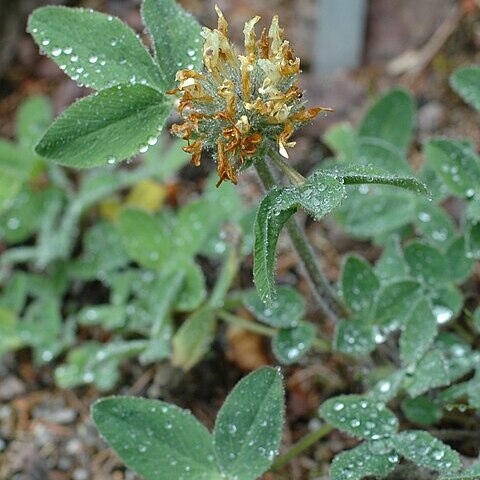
[[385, 386], [47, 355], [13, 223], [438, 454]]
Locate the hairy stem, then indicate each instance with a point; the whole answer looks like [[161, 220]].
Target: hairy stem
[[246, 324], [225, 279], [306, 442], [325, 295], [295, 177], [318, 343]]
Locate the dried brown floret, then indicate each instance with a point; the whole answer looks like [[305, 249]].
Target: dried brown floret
[[240, 103]]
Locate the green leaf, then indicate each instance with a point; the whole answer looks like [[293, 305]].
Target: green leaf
[[176, 37], [41, 328], [164, 293], [466, 82], [453, 393], [433, 223], [285, 312], [472, 210], [459, 265], [360, 416], [319, 195], [418, 334], [33, 117], [145, 238], [108, 316], [473, 469], [447, 302], [387, 388], [380, 213], [94, 49], [268, 225], [472, 239], [438, 190], [427, 264], [26, 214], [395, 302], [192, 340], [458, 354], [342, 139], [194, 223], [111, 125], [392, 265], [473, 391], [431, 372], [391, 118], [9, 332], [229, 208], [426, 451], [363, 461], [165, 163], [103, 253], [364, 175], [359, 284], [159, 345], [194, 290], [249, 425], [378, 153], [421, 410], [290, 344], [354, 337], [154, 437], [462, 476], [96, 363], [10, 185], [14, 292], [476, 319], [456, 164]]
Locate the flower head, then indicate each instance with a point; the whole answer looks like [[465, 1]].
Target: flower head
[[241, 104]]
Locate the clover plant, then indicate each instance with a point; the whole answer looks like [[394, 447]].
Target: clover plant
[[398, 318]]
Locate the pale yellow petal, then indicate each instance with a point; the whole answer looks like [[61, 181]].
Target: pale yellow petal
[[249, 32], [222, 22], [276, 36]]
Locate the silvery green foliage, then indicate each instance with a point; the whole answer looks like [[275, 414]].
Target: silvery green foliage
[[127, 113], [154, 437], [369, 419], [414, 288], [147, 275], [412, 291]]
